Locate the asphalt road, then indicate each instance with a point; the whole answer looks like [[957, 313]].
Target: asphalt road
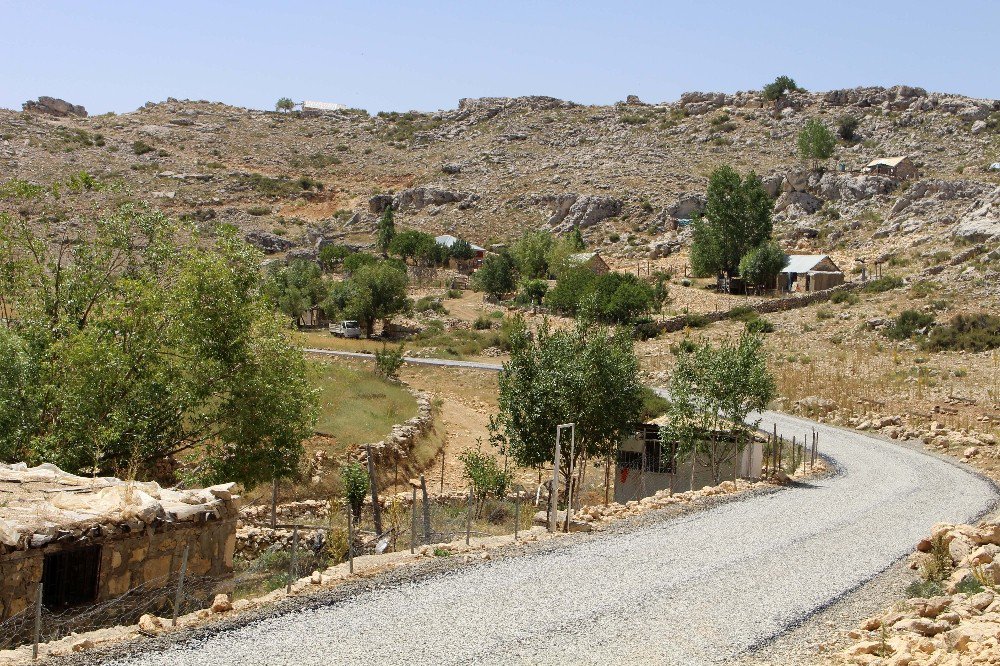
[[695, 590]]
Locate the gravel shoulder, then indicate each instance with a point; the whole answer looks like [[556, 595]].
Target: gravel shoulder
[[704, 588]]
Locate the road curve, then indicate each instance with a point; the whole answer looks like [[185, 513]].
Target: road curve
[[695, 590]]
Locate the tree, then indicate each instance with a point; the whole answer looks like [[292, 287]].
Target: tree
[[376, 291], [462, 250], [847, 127], [296, 287], [619, 298], [816, 141], [130, 346], [497, 276], [530, 253], [532, 291], [572, 286], [587, 375], [485, 477], [761, 266], [331, 256], [386, 230], [559, 257], [355, 482], [777, 88], [737, 219], [354, 262], [284, 104], [410, 244]]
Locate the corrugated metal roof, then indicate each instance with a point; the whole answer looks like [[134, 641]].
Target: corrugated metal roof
[[448, 240], [886, 161], [323, 106], [802, 263]]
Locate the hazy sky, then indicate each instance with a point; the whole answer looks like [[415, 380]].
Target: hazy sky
[[115, 56]]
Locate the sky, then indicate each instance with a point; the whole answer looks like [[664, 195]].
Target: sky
[[116, 56]]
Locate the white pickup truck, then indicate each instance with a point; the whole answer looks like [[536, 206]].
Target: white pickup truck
[[346, 329]]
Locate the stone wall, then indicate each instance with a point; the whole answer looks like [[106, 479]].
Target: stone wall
[[147, 559]]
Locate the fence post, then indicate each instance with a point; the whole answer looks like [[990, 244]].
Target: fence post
[[291, 560], [427, 510], [468, 519], [180, 585], [413, 518], [38, 621], [517, 512], [350, 537], [376, 509], [274, 503]]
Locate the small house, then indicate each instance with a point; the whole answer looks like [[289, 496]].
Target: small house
[[810, 272], [590, 260], [646, 465], [447, 240], [313, 317], [900, 168], [320, 107], [87, 540]]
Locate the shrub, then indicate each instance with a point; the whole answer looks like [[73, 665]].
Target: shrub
[[883, 284], [847, 127], [388, 361], [845, 298], [482, 323], [759, 325], [923, 288], [355, 481], [908, 324], [454, 293], [614, 237], [141, 148], [696, 320], [743, 313], [824, 313], [257, 211], [924, 589], [777, 88], [816, 141], [967, 332], [484, 474], [430, 304]]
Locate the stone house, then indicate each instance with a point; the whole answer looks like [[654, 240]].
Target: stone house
[[900, 168], [645, 466], [810, 272], [89, 540]]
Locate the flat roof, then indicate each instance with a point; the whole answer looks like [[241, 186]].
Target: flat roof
[[42, 504], [886, 161]]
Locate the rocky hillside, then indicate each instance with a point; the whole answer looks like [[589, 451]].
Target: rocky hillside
[[495, 166]]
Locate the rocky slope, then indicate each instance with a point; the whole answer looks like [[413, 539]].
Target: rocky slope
[[494, 166]]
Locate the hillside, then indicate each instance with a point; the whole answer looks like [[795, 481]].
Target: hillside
[[495, 166]]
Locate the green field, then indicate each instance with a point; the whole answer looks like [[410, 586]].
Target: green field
[[356, 406]]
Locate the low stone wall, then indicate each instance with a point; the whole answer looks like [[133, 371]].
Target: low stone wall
[[403, 436]]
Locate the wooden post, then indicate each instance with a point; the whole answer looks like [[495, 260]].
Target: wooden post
[[554, 490], [468, 519], [350, 538], [291, 560], [180, 585], [274, 503], [38, 622], [427, 510], [376, 508], [413, 518]]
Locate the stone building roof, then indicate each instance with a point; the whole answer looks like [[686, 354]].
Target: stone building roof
[[43, 504]]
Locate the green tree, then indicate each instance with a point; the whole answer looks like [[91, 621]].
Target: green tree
[[331, 256], [737, 219], [777, 88], [761, 266], [386, 230], [484, 474], [847, 127], [285, 104], [296, 287], [587, 375], [354, 262], [559, 257], [816, 141], [355, 481], [462, 250], [411, 244], [572, 286], [130, 346], [532, 291], [497, 276], [376, 291], [530, 253]]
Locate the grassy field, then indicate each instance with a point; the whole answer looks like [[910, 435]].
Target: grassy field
[[356, 405]]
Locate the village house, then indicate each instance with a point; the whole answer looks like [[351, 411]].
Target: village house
[[810, 272], [590, 260], [900, 168], [87, 540], [645, 466]]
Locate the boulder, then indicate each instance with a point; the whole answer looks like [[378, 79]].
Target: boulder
[[268, 243], [221, 604], [803, 200], [54, 107]]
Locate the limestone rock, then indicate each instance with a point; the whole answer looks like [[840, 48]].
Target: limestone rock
[[54, 106]]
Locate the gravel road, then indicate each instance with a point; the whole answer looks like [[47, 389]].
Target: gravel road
[[701, 589]]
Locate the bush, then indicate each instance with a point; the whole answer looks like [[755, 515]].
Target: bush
[[777, 88], [759, 325], [743, 313], [482, 323], [696, 320], [976, 332], [883, 284], [355, 261], [923, 589], [388, 361], [257, 211], [454, 293], [816, 141], [141, 148], [845, 298], [847, 127], [430, 304], [355, 482], [908, 324], [484, 474]]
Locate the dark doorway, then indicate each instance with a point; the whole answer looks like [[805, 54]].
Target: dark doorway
[[69, 577]]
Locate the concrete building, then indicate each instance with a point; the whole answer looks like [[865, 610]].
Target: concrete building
[[89, 540], [645, 466], [810, 272]]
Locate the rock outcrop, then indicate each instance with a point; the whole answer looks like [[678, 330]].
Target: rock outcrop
[[53, 106]]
